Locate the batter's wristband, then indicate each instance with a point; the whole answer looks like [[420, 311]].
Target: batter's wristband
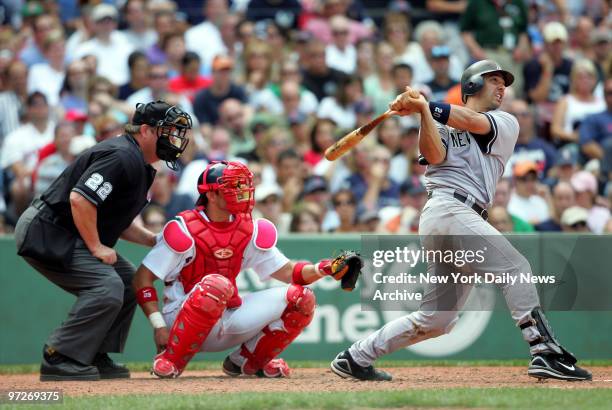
[[297, 277], [147, 294], [440, 111]]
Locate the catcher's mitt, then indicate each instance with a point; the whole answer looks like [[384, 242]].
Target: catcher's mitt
[[346, 268]]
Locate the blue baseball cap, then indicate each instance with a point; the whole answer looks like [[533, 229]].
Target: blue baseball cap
[[440, 52]]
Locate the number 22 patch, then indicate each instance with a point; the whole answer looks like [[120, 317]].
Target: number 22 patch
[[94, 182]]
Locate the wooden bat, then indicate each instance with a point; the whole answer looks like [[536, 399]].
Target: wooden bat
[[351, 139]]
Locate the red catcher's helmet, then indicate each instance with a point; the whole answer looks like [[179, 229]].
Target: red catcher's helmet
[[235, 182]]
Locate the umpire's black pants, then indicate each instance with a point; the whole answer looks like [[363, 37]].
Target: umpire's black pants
[[100, 319]]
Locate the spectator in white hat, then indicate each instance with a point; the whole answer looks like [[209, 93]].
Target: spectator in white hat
[[574, 219], [547, 76], [108, 45], [268, 205]]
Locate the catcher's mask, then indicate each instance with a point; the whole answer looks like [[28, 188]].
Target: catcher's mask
[[233, 180], [171, 125]]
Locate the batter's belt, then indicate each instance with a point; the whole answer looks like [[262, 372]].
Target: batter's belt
[[465, 199]]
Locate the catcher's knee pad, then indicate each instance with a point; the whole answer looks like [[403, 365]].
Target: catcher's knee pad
[[211, 294], [275, 337], [300, 307], [200, 312]]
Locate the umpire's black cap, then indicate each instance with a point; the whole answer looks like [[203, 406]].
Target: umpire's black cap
[[151, 113]]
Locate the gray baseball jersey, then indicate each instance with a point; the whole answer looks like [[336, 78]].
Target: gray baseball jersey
[[474, 163]]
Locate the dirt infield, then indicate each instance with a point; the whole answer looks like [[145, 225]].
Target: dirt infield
[[308, 380]]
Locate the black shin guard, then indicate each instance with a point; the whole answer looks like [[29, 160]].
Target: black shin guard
[[538, 319]]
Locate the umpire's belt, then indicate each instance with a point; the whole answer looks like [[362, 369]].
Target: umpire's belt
[[477, 208]]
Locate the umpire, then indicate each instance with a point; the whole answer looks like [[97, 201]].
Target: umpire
[[69, 232]]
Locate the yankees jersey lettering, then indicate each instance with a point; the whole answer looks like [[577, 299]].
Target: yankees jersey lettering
[[475, 163]]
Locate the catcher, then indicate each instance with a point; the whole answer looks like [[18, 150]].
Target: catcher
[[198, 256]]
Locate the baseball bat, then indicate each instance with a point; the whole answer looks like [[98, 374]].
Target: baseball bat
[[351, 139]]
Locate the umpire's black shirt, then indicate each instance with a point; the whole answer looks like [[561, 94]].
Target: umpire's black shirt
[[113, 176]]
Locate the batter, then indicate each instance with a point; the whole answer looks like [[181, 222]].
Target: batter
[[466, 149]]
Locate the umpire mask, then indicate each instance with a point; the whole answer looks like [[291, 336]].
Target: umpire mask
[[171, 124]]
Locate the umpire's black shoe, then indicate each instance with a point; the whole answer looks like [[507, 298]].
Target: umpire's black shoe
[[57, 367], [344, 366], [555, 366], [109, 369]]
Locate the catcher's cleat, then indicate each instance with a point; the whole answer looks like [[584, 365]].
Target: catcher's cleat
[[276, 368], [164, 368], [57, 367], [553, 366], [344, 366], [230, 368], [108, 369]]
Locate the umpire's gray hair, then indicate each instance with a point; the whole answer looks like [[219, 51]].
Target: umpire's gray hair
[[132, 129], [429, 25]]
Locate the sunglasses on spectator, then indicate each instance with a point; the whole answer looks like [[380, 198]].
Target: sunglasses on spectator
[[528, 178], [340, 32], [346, 202], [579, 225], [381, 159]]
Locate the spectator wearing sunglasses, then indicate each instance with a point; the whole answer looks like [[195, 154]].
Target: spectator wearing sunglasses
[[346, 209]]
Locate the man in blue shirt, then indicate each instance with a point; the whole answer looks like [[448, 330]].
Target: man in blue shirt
[[528, 145], [595, 132]]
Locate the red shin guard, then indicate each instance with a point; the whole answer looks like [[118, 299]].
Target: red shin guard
[[200, 312], [275, 337]]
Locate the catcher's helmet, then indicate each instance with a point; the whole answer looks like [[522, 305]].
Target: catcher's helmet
[[472, 79], [234, 180]]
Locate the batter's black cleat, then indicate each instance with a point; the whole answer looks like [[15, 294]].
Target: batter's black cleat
[[344, 366], [57, 367], [556, 366], [108, 369]]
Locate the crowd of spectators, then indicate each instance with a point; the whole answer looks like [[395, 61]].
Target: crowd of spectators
[[273, 83]]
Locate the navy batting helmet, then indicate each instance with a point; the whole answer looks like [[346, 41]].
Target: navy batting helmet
[[472, 79]]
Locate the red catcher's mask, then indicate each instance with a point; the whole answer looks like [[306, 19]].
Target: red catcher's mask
[[233, 180]]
